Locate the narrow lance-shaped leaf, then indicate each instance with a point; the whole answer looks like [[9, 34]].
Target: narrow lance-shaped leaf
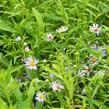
[[5, 27], [39, 20]]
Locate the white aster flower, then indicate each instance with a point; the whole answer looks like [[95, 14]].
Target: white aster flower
[[95, 29], [18, 38], [41, 96], [81, 73], [27, 49], [56, 86], [31, 63], [62, 29], [49, 37], [87, 69]]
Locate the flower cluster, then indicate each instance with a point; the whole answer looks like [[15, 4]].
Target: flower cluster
[[31, 63], [41, 96], [87, 69], [50, 36]]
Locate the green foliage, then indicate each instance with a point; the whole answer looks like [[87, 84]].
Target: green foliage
[[66, 55]]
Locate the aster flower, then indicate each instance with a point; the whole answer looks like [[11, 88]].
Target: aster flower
[[95, 47], [31, 63], [62, 29], [94, 61], [18, 38], [40, 96], [49, 37], [95, 29], [56, 86], [27, 49], [81, 73], [104, 53], [87, 69]]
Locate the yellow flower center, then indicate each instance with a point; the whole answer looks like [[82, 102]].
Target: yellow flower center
[[41, 96], [93, 60], [87, 70], [32, 63]]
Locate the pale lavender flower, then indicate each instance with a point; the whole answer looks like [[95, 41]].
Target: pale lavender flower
[[56, 86], [95, 47], [104, 53], [40, 96], [31, 63]]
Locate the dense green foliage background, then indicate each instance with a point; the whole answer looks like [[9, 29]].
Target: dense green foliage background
[[63, 57]]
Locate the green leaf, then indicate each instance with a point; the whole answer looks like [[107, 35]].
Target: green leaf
[[5, 27], [3, 104], [90, 12], [82, 42], [39, 105], [39, 20]]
